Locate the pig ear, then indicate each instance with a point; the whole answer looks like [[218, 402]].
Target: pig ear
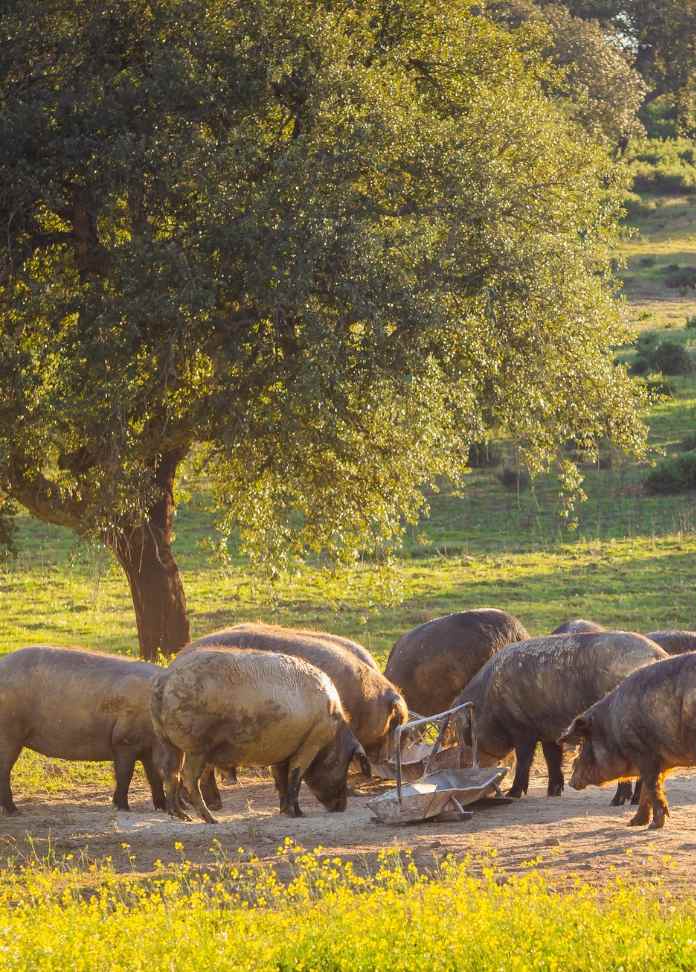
[[399, 714], [578, 730], [360, 756]]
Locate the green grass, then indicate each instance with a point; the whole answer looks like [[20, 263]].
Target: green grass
[[327, 917], [661, 236]]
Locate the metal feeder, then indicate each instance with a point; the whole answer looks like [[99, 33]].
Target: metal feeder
[[442, 794]]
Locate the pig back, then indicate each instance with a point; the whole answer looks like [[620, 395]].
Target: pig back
[[538, 686], [76, 704], [432, 663], [254, 706], [674, 642], [371, 702]]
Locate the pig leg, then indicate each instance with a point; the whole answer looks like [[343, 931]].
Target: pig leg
[[280, 777], [293, 801], [209, 789], [623, 793], [642, 814], [153, 778], [8, 757], [636, 791], [553, 754], [524, 754], [168, 761], [297, 765], [658, 800], [194, 765], [124, 764]]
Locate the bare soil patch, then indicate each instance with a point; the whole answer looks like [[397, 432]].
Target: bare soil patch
[[577, 835]]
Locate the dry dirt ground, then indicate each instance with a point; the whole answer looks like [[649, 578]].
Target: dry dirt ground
[[578, 835]]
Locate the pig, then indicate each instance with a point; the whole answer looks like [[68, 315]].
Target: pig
[[432, 663], [77, 704], [645, 727], [674, 642], [529, 691], [216, 706], [373, 704], [578, 626]]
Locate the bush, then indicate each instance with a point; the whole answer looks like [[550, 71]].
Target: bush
[[691, 321], [672, 359], [641, 365], [674, 475], [684, 278], [664, 166], [511, 478]]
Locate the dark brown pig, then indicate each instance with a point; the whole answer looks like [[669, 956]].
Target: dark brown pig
[[223, 707], [432, 663], [674, 642], [645, 727], [373, 705], [76, 704], [578, 626], [530, 689]]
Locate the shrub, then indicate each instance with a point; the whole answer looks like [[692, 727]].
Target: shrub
[[672, 359], [683, 278], [664, 166], [640, 365], [512, 478], [646, 339], [674, 475], [691, 321]]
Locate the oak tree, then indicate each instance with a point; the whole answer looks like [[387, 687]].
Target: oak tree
[[331, 243]]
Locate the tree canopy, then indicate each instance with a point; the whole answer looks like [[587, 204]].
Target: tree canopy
[[660, 37], [330, 243]]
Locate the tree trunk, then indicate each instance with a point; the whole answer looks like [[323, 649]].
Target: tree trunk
[[145, 554]]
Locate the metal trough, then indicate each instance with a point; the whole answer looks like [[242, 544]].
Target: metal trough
[[441, 793]]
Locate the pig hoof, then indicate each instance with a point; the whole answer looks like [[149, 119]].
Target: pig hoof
[[215, 804], [8, 811], [617, 801], [180, 815], [515, 794], [657, 824], [638, 821], [159, 804], [555, 790]]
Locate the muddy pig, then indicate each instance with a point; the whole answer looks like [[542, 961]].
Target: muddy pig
[[531, 690], [645, 727], [432, 663], [223, 707], [373, 705], [76, 704]]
